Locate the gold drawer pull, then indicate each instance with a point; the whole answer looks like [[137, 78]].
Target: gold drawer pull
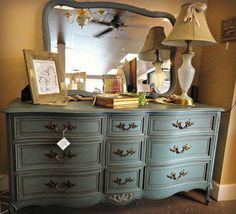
[[120, 181], [65, 156], [65, 185], [122, 126], [178, 124], [120, 152], [54, 127], [175, 149], [124, 197], [174, 177]]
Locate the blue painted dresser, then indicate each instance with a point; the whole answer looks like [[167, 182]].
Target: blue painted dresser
[[115, 156]]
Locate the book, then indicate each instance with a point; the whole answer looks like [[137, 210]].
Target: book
[[116, 101]]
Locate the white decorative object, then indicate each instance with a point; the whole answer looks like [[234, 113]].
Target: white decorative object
[[159, 76], [186, 74], [63, 143], [124, 197]]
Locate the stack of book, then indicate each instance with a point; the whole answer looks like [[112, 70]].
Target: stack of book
[[117, 101]]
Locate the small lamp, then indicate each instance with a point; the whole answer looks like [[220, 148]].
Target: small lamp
[[190, 29], [154, 51]]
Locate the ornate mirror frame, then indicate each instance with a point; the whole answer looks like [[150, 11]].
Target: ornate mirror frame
[[112, 5]]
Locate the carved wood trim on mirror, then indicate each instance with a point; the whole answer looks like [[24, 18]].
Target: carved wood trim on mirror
[[155, 17]]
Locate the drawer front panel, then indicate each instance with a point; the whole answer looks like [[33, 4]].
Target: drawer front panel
[[41, 156], [160, 150], [172, 175], [52, 126], [124, 151], [125, 125], [59, 185], [179, 124], [128, 179]]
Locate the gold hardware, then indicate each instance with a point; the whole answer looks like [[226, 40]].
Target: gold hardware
[[174, 177], [122, 126], [65, 185], [124, 197], [178, 124], [51, 126], [182, 101], [175, 149], [119, 181], [65, 156], [54, 127], [119, 152], [51, 184]]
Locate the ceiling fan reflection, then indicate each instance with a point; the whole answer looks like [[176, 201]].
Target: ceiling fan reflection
[[116, 23]]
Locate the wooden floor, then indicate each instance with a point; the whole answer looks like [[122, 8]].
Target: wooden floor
[[183, 203]]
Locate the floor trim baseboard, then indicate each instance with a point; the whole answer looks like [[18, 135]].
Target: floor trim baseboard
[[223, 192], [4, 184]]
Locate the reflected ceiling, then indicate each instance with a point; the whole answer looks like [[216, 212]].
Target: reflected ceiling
[[97, 56]]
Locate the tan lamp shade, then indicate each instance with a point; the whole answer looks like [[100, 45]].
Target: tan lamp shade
[[191, 25], [153, 50]]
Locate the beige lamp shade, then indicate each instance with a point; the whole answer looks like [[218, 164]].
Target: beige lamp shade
[[191, 25], [153, 50]]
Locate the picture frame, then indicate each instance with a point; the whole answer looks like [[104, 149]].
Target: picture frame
[[46, 77], [228, 29]]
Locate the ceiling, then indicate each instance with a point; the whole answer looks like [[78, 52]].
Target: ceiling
[[97, 56]]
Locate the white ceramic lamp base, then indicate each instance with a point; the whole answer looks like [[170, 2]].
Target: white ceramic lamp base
[[158, 76], [186, 74]]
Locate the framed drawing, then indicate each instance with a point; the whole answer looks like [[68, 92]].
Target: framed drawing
[[46, 78]]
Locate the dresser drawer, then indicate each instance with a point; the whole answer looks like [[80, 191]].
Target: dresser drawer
[[48, 155], [156, 177], [124, 152], [120, 180], [181, 123], [167, 150], [53, 126], [58, 185], [125, 125]]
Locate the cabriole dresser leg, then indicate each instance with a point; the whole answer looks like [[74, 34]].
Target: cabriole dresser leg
[[12, 208], [208, 193]]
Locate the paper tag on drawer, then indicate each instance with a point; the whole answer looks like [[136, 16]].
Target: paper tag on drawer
[[63, 143]]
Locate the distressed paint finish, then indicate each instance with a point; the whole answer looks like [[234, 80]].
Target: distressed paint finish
[[38, 126], [163, 149], [113, 165], [41, 154]]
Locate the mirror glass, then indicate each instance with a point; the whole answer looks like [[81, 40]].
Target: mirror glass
[[105, 42]]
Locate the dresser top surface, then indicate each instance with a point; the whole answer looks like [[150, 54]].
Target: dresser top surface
[[17, 106]]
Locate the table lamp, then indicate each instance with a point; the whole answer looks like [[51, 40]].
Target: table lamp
[[190, 29], [154, 51]]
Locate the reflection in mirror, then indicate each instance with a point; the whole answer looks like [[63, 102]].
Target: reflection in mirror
[[105, 42], [159, 54]]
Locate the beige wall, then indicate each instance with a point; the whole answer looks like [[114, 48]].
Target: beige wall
[[216, 83], [20, 28], [228, 170]]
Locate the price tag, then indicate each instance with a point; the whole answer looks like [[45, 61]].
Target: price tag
[[63, 143]]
